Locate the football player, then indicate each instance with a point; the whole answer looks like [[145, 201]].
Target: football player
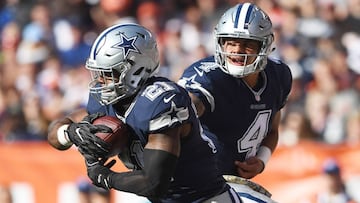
[[239, 92], [172, 160]]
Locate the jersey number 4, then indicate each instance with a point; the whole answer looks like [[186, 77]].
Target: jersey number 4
[[254, 135]]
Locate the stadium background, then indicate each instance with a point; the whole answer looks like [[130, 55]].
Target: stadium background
[[41, 174], [44, 45]]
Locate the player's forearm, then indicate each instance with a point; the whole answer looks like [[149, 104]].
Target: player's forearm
[[153, 181], [267, 147], [53, 133], [271, 141], [272, 138], [56, 136]]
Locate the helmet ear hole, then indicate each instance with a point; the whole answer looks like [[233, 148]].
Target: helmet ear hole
[[138, 71], [137, 77]]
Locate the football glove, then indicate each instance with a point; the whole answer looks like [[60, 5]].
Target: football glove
[[82, 134], [99, 173]]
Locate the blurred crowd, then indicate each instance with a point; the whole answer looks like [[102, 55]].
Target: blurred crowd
[[44, 46]]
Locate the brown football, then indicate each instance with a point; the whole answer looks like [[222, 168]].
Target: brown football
[[118, 139]]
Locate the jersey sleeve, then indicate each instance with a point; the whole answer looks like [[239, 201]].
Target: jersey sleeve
[[196, 80], [286, 79], [161, 105]]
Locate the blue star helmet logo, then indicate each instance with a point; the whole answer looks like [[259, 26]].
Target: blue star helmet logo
[[127, 45]]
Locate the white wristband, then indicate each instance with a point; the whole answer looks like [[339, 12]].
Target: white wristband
[[62, 136], [264, 154]]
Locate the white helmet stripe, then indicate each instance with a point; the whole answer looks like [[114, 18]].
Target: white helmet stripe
[[97, 44], [242, 16]]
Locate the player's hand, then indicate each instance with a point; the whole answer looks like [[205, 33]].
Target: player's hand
[[82, 134], [99, 173], [249, 168]]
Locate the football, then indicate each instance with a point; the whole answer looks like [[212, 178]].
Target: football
[[118, 139]]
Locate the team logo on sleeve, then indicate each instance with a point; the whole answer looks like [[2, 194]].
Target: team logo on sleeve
[[199, 71], [189, 82], [174, 115]]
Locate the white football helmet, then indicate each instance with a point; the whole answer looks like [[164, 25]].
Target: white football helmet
[[246, 21], [126, 55]]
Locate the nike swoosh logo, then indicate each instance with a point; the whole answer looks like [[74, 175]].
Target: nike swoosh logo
[[166, 100], [91, 164], [78, 134], [200, 72], [99, 178]]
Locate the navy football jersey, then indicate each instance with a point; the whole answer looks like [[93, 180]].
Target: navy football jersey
[[161, 105], [239, 116]]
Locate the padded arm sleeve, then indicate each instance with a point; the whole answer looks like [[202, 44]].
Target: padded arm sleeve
[[153, 181]]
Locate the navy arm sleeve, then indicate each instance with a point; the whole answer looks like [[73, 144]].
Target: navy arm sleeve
[[152, 181]]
